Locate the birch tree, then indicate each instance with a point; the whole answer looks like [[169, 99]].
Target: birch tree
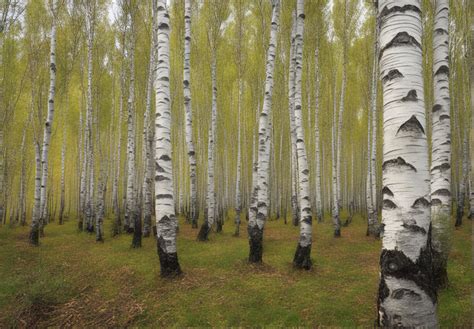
[[302, 257], [373, 228], [317, 156], [166, 221], [194, 214], [407, 297], [441, 144], [255, 227], [34, 234]]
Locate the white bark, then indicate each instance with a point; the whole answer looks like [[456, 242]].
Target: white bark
[[302, 257], [50, 116], [255, 227], [441, 143], [166, 221], [372, 222], [291, 94], [35, 220], [335, 206], [131, 202], [407, 297], [318, 191], [147, 187], [188, 112]]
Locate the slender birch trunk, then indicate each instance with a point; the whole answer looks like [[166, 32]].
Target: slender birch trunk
[[132, 216], [441, 145], [63, 188], [255, 227], [302, 258], [291, 92], [407, 296], [194, 214], [318, 190], [341, 109], [463, 177], [47, 130], [373, 228], [148, 136], [335, 206], [166, 221], [35, 220], [238, 196]]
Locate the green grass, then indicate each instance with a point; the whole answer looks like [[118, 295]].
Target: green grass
[[71, 280]]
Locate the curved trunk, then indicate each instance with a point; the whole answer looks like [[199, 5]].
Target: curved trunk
[[255, 227], [166, 221], [441, 145], [407, 297]]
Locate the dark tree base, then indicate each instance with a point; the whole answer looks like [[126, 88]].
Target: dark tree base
[[459, 216], [90, 228], [203, 234], [79, 225], [99, 239], [146, 226], [169, 265], [302, 257], [373, 230], [34, 236], [137, 232], [337, 233], [256, 244], [219, 226]]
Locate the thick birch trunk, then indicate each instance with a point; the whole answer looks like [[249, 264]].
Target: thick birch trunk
[[441, 145], [49, 118], [255, 228], [302, 258], [407, 297], [188, 113], [166, 221]]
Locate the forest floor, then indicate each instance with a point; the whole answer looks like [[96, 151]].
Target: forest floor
[[70, 280]]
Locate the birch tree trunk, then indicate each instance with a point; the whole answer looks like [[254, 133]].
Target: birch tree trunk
[[335, 206], [238, 197], [132, 216], [47, 129], [63, 189], [194, 214], [463, 177], [166, 221], [341, 108], [211, 198], [302, 257], [407, 297], [318, 191], [441, 145], [255, 227], [373, 228], [35, 220], [148, 135], [291, 96]]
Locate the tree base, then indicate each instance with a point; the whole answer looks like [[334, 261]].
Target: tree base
[[459, 216], [169, 265], [137, 232], [34, 236], [219, 226], [373, 230], [440, 273], [302, 257], [203, 234], [337, 233], [255, 244]]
